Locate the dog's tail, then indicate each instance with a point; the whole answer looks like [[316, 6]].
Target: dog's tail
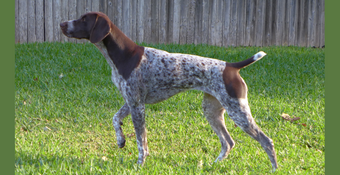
[[249, 61]]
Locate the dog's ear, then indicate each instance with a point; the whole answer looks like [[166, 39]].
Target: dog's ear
[[100, 29]]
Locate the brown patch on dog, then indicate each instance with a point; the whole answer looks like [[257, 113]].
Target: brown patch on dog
[[96, 27], [100, 29], [125, 58], [233, 82], [124, 53]]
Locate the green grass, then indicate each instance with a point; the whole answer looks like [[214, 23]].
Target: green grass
[[63, 125]]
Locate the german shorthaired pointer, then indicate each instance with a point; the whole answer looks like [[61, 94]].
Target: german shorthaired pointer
[[146, 75]]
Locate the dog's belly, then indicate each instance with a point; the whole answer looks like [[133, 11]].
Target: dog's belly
[[158, 95], [160, 88]]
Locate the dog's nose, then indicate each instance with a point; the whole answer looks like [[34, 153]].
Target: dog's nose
[[63, 27], [63, 24]]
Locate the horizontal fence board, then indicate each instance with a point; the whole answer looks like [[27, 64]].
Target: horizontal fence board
[[214, 22]]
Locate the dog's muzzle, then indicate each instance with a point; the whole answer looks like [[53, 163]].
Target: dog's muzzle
[[64, 28]]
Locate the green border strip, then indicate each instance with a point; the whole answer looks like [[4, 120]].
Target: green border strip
[[332, 85], [7, 86]]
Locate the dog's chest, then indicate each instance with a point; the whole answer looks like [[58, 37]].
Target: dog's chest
[[116, 78]]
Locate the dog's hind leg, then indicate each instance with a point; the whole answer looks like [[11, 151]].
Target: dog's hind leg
[[213, 112], [117, 122], [239, 111]]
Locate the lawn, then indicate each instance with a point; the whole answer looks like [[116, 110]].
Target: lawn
[[65, 101]]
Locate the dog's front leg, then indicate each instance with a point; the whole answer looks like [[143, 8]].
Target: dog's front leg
[[138, 119], [117, 122]]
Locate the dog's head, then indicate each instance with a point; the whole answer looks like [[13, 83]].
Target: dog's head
[[94, 26]]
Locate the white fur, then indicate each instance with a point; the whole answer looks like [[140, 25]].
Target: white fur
[[259, 55], [70, 26]]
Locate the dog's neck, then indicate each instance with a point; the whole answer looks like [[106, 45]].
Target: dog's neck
[[124, 53]]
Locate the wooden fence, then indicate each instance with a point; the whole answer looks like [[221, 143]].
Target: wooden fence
[[213, 22]]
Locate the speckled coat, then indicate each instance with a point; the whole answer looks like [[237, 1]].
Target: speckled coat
[[147, 75]]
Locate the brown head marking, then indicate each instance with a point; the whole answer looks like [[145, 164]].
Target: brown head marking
[[100, 29]]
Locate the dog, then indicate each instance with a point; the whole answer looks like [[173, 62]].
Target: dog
[[145, 75]]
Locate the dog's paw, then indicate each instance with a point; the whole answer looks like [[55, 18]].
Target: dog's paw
[[121, 143]]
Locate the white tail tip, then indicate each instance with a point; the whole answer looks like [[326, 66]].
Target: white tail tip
[[259, 55]]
